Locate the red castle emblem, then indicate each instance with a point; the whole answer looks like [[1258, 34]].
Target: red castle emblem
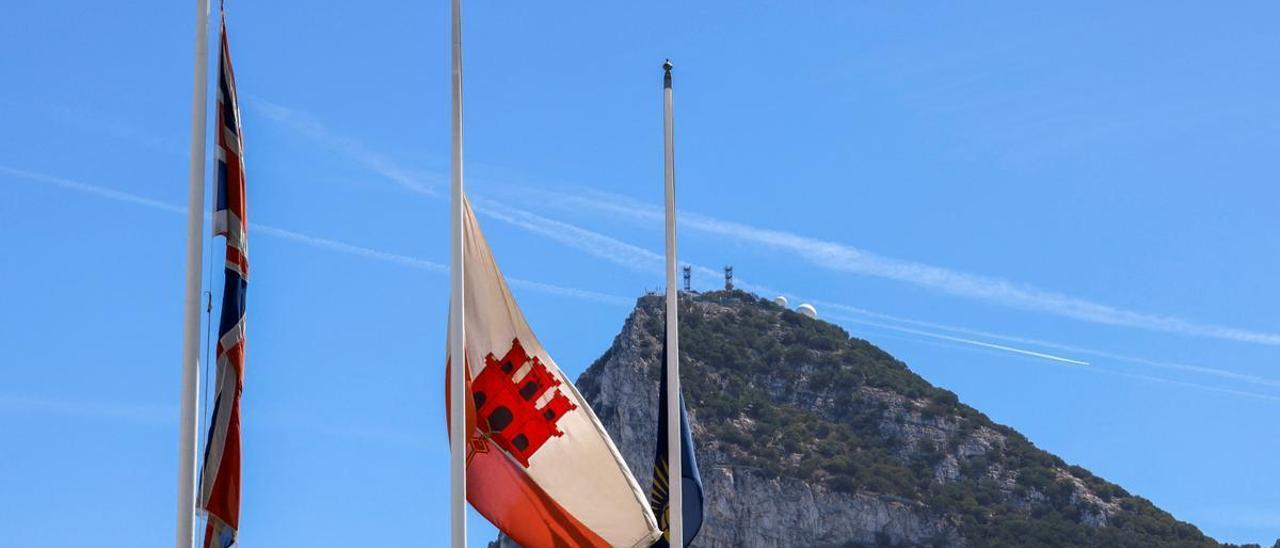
[[508, 407]]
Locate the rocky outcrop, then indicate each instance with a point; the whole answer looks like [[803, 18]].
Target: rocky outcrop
[[807, 437], [746, 506]]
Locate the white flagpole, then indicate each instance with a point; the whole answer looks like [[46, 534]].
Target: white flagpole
[[675, 477], [457, 312], [187, 477]]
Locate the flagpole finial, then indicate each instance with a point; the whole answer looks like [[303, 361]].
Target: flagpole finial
[[667, 66]]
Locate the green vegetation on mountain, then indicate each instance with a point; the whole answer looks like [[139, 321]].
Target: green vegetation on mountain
[[792, 397]]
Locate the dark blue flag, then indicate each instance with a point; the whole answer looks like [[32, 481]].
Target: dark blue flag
[[691, 481]]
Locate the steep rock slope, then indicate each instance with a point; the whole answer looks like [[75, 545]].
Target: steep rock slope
[[807, 437]]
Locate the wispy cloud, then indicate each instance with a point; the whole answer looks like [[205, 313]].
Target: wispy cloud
[[845, 258], [301, 122], [343, 247], [581, 294], [1104, 355], [641, 259], [594, 243], [611, 249], [626, 255], [828, 254], [305, 239], [1196, 385], [962, 340], [937, 339], [608, 248], [91, 189], [622, 254]]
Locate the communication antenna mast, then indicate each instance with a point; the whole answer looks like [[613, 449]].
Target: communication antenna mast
[[728, 278], [688, 278]]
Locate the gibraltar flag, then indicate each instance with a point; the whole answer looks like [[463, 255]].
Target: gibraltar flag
[[540, 466]]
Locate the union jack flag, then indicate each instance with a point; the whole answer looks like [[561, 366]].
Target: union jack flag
[[220, 478]]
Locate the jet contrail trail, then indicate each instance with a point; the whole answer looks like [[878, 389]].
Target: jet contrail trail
[[1147, 378], [611, 249], [1253, 379], [630, 251], [342, 247], [825, 254], [92, 189], [962, 340], [313, 241], [374, 161], [845, 258], [641, 259], [614, 250], [627, 255]]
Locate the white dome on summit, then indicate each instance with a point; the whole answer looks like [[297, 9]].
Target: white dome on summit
[[808, 310], [780, 301]]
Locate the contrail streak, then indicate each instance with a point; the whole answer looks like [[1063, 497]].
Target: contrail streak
[[343, 247], [1219, 389], [613, 250], [827, 254], [605, 247], [92, 189], [305, 239], [374, 161], [616, 251], [144, 412], [1252, 379], [639, 259], [1147, 378], [962, 340], [629, 256], [845, 258]]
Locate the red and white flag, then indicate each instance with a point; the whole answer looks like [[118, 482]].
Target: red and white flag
[[540, 466]]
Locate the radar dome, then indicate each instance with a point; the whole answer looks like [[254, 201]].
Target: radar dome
[[808, 310], [780, 301]]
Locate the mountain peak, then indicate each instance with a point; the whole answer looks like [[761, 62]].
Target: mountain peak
[[808, 437]]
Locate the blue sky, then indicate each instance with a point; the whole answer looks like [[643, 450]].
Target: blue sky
[[1095, 183]]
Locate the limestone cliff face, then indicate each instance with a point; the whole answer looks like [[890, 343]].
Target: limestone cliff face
[[807, 437], [746, 506]]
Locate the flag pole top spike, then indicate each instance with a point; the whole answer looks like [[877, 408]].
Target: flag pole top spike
[[666, 66]]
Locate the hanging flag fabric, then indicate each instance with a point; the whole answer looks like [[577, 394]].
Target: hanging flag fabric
[[691, 480], [540, 466], [220, 477]]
